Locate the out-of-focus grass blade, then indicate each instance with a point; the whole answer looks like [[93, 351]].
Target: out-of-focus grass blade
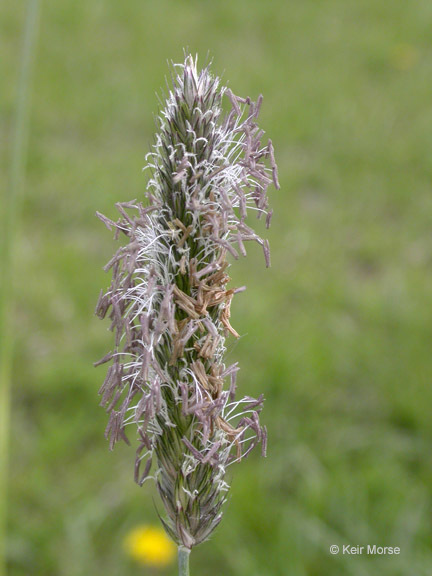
[[11, 201]]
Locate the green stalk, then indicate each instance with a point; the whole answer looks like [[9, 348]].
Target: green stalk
[[183, 560], [11, 201]]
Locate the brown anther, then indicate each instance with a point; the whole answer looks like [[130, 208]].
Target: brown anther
[[231, 432], [185, 236], [182, 267], [192, 272], [226, 313], [216, 386], [185, 302], [206, 347], [200, 373], [179, 224]]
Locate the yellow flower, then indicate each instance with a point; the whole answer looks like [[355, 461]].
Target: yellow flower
[[150, 545]]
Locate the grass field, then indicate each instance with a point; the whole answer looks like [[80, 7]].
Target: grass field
[[337, 334]]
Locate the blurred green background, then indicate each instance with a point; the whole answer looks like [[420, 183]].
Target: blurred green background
[[337, 334]]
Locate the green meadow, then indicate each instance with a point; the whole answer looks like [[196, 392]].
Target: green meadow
[[336, 334]]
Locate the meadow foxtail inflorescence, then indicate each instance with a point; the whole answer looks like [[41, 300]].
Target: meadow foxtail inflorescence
[[169, 301]]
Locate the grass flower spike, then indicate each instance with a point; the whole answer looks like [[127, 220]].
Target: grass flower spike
[[169, 302]]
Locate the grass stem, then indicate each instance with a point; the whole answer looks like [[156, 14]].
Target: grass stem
[[183, 560]]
